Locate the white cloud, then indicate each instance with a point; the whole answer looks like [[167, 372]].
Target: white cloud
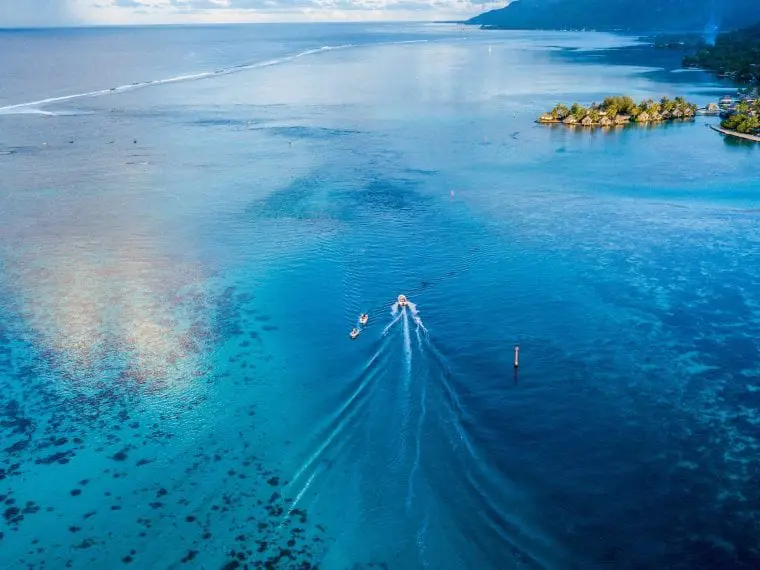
[[30, 13], [14, 13]]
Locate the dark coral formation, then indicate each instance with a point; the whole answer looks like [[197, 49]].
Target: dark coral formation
[[47, 427]]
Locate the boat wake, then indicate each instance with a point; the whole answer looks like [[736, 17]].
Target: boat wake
[[397, 473], [334, 433], [396, 318], [34, 106], [470, 480]]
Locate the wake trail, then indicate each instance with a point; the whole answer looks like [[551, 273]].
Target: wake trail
[[391, 324], [297, 499], [458, 409], [417, 319], [421, 541], [407, 353], [338, 423], [423, 396], [24, 107], [406, 380], [487, 488], [518, 531], [418, 449], [458, 412]]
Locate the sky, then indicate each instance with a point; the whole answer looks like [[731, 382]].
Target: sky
[[32, 13]]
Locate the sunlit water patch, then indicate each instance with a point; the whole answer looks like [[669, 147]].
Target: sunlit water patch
[[181, 264]]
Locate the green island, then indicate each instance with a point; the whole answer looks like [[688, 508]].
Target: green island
[[621, 15], [743, 118], [735, 55], [619, 111]]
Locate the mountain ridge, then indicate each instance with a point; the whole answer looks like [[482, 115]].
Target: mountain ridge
[[623, 15]]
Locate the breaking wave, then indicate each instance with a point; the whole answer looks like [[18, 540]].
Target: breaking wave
[[34, 106]]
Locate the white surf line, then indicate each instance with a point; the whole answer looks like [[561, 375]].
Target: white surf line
[[196, 76]]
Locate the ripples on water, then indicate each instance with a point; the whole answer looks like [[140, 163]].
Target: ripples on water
[[181, 264]]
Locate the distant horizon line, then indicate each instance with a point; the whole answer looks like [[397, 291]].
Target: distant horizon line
[[221, 24], [616, 30]]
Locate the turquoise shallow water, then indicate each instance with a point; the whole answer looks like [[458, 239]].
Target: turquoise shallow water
[[181, 262]]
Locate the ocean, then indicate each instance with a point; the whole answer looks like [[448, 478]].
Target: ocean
[[192, 220]]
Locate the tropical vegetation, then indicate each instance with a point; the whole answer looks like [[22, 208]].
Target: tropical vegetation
[[744, 117], [735, 55], [621, 110]]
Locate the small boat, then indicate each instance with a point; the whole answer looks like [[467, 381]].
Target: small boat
[[354, 334], [402, 301], [363, 319]]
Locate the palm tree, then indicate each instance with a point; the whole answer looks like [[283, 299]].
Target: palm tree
[[628, 105], [578, 111], [611, 108], [667, 105], [749, 125], [560, 112]]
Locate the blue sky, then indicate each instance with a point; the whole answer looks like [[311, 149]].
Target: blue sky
[[16, 13]]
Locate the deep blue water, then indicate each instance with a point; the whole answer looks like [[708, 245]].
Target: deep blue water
[[181, 262]]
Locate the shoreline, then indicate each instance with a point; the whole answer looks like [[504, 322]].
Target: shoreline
[[621, 110], [617, 124], [729, 133], [599, 125]]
